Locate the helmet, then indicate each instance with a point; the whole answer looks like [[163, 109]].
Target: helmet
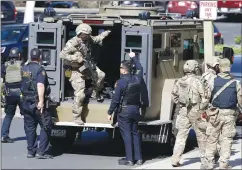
[[190, 66], [35, 53], [83, 28], [14, 52], [213, 62]]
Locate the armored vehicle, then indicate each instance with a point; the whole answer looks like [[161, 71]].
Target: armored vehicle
[[161, 43]]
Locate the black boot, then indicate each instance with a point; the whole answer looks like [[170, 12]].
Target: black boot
[[7, 140]]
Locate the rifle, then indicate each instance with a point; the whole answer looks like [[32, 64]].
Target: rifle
[[89, 67]]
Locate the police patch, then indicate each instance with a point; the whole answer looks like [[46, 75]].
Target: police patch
[[43, 73]]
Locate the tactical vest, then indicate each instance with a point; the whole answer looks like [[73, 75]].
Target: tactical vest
[[132, 93], [29, 82], [228, 98], [187, 93], [13, 72]]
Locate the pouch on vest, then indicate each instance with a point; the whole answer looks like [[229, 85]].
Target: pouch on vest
[[13, 73]]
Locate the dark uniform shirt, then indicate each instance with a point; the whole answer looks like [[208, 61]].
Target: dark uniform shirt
[[122, 83]]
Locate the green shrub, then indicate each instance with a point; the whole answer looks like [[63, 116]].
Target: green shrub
[[219, 48], [238, 40]]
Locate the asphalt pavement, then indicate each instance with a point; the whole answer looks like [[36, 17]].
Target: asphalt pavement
[[92, 152]]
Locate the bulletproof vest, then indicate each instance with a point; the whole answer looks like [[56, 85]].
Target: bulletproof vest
[[228, 98], [132, 93], [29, 83], [13, 72]]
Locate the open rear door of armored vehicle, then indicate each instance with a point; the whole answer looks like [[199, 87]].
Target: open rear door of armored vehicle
[[49, 38]]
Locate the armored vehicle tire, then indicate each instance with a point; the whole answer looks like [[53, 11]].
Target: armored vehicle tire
[[63, 137]]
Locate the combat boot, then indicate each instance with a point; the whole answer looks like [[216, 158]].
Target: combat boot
[[175, 163], [223, 165], [79, 122]]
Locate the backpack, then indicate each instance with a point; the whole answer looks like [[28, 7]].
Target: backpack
[[13, 72]]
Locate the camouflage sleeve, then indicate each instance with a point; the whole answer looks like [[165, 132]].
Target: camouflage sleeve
[[99, 38], [239, 95], [175, 92], [70, 52], [201, 91]]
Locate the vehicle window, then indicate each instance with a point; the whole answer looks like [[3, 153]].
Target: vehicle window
[[175, 40], [133, 41], [11, 34], [201, 45], [157, 39], [75, 6], [45, 38], [188, 49], [71, 34], [60, 5], [5, 5], [25, 35], [138, 3]]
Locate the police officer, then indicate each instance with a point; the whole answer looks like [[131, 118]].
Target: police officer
[[127, 96], [225, 96], [34, 89], [11, 73]]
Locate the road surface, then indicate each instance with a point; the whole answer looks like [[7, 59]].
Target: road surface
[[93, 153]]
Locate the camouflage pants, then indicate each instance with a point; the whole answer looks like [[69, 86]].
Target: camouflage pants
[[224, 130], [80, 109], [183, 124]]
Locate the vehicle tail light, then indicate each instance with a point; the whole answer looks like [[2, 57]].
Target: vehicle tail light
[[92, 21], [15, 13], [169, 5], [193, 5], [240, 4]]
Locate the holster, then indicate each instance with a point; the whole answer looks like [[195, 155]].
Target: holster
[[29, 104], [213, 115]]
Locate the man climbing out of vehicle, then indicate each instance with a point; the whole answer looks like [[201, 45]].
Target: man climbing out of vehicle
[[77, 55]]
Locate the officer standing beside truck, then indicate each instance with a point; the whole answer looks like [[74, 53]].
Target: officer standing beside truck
[[127, 99], [35, 91], [77, 56], [11, 73]]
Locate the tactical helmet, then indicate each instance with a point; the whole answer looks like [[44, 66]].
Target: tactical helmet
[[83, 28], [213, 62], [190, 66], [14, 52]]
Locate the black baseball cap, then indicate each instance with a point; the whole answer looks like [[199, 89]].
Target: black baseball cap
[[35, 53], [14, 52]]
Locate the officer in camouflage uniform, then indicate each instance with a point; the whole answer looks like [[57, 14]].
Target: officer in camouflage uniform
[[188, 93], [225, 96], [207, 80], [77, 53], [11, 72]]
